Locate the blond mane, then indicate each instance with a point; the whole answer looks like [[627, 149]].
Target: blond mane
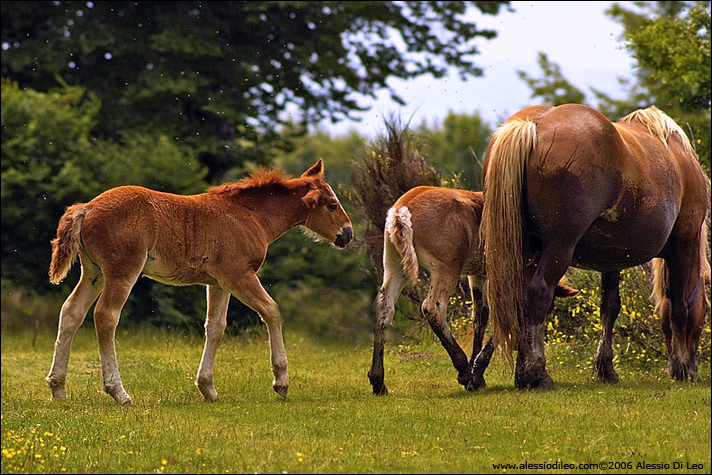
[[660, 125]]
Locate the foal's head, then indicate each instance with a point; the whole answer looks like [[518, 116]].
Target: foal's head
[[326, 217]]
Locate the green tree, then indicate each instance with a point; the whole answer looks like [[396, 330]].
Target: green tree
[[670, 42], [672, 51], [221, 76], [553, 88], [50, 160], [338, 153], [457, 148]]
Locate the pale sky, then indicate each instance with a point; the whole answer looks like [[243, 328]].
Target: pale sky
[[578, 36]]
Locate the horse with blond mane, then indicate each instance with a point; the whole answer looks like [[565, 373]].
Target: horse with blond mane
[[218, 239], [568, 184]]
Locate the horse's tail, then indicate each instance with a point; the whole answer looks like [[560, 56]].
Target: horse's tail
[[399, 230], [501, 228], [65, 246]]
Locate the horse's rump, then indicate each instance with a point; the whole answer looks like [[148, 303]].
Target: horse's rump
[[598, 195]]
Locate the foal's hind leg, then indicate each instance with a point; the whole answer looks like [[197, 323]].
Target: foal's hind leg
[[106, 318], [393, 283], [434, 308], [215, 323], [610, 306], [72, 315], [479, 360]]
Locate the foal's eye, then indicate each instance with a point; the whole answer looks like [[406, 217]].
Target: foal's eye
[[331, 207]]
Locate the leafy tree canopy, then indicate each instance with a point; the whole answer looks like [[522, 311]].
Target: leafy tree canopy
[[670, 42], [221, 75]]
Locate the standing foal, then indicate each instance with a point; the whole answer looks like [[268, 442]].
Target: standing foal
[[218, 239]]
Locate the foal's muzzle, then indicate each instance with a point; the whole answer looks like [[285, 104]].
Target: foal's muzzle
[[344, 237]]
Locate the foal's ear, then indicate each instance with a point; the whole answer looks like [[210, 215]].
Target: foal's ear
[[316, 170], [311, 199]]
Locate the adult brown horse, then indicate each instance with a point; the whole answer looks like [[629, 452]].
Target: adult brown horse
[[567, 183], [218, 239], [438, 229]]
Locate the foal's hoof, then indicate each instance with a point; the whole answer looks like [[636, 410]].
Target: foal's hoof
[[376, 380], [208, 391], [57, 389], [58, 394], [281, 390], [120, 396], [478, 381], [125, 401]]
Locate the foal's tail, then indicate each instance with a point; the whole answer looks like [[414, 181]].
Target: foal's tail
[[65, 246], [399, 231], [501, 228]]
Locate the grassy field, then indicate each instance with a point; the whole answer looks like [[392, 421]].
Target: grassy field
[[331, 423]]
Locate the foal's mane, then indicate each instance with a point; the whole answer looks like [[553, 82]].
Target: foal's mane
[[659, 125], [262, 178]]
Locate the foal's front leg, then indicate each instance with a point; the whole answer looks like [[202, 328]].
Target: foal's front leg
[[249, 291], [215, 323]]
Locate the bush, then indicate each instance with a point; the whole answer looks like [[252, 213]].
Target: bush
[[637, 335]]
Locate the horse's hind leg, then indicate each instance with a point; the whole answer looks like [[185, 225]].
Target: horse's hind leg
[[215, 323], [530, 369], [434, 309], [72, 315], [384, 305], [106, 318], [681, 320], [610, 306]]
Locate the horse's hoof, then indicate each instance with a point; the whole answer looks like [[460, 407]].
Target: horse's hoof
[[380, 390], [376, 380], [477, 383], [281, 390], [610, 377], [540, 382]]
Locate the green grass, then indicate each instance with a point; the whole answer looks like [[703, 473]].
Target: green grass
[[331, 423]]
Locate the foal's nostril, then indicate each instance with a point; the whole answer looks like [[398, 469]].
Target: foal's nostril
[[344, 237]]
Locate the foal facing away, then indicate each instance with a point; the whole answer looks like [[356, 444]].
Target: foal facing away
[[438, 229], [218, 239]]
